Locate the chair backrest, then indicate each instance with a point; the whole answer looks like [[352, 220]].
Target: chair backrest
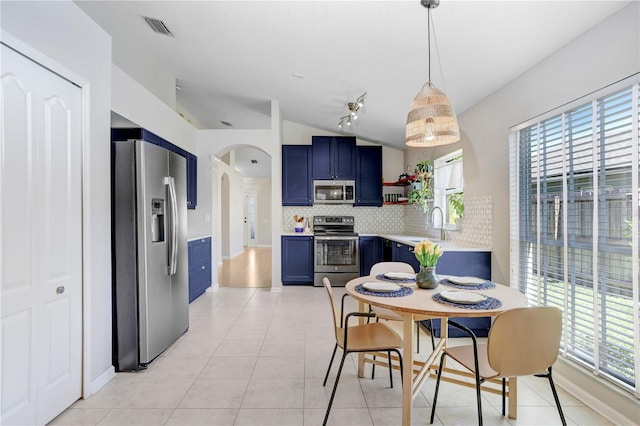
[[525, 341], [382, 267], [334, 312]]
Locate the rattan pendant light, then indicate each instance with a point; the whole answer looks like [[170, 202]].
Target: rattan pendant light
[[431, 120]]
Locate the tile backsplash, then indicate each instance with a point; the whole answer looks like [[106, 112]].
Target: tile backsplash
[[368, 220], [476, 229]]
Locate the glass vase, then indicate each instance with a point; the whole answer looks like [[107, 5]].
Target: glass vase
[[426, 277]]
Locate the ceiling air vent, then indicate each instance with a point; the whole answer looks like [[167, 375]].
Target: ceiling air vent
[[158, 26]]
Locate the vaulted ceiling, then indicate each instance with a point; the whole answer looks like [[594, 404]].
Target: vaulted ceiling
[[231, 58]]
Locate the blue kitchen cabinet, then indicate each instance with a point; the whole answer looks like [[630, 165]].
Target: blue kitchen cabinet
[[297, 260], [334, 157], [462, 263], [192, 181], [465, 263], [370, 250], [192, 160], [296, 175], [404, 253], [369, 176], [199, 266]]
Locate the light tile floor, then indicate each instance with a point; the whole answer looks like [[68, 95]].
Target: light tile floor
[[255, 357]]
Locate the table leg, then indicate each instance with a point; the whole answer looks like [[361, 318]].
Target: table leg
[[513, 398], [407, 373]]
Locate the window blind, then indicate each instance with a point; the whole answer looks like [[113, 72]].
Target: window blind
[[574, 184]]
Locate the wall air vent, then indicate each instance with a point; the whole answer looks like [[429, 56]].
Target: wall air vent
[[158, 26]]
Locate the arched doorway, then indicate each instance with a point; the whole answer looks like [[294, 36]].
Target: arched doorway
[[245, 260]]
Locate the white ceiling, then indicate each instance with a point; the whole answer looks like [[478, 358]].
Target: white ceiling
[[231, 57]]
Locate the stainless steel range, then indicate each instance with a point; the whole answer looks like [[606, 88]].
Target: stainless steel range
[[336, 250]]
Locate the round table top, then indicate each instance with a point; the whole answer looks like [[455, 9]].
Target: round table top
[[421, 303]]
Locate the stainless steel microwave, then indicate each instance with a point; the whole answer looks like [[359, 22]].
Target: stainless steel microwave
[[334, 191]]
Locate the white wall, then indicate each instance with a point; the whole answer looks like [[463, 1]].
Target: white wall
[[74, 46], [605, 54], [215, 143]]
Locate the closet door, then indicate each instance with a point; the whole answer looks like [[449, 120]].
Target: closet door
[[40, 241]]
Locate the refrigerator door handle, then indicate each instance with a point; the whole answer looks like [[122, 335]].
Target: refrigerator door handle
[[173, 239]]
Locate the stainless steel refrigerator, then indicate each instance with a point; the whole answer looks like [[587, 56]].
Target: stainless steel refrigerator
[[150, 270]]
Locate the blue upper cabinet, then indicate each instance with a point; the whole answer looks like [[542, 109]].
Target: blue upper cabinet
[[334, 157], [192, 160], [369, 176], [296, 175]]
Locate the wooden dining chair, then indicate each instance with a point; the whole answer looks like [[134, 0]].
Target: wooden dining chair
[[370, 337], [521, 342], [387, 314]]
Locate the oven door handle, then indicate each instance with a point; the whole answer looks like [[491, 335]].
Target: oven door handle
[[335, 237]]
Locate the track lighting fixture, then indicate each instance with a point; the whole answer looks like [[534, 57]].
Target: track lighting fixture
[[354, 107]]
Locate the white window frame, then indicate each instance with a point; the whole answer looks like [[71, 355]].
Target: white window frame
[[455, 184], [542, 231]]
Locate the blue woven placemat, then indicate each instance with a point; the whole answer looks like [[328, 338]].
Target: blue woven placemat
[[381, 277], [484, 286], [402, 291], [490, 303]]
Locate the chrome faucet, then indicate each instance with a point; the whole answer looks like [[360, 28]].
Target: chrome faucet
[[443, 235]]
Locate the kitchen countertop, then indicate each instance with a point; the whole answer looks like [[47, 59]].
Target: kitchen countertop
[[445, 245], [193, 237], [410, 240]]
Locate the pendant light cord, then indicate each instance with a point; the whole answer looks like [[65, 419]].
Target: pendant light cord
[[429, 40]]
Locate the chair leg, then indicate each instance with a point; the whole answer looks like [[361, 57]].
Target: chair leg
[[373, 366], [400, 362], [504, 392], [390, 370], [555, 396], [435, 395], [335, 387], [433, 342], [479, 396], [418, 336], [335, 348]]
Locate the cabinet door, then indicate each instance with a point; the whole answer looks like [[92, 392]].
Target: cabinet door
[[192, 181], [334, 157], [404, 253], [369, 176], [296, 175], [370, 253], [199, 267], [297, 260], [322, 157], [344, 162]]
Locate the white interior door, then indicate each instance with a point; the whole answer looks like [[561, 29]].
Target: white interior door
[[250, 221], [41, 241]]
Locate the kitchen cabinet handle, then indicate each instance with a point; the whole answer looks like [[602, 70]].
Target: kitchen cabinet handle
[[60, 290]]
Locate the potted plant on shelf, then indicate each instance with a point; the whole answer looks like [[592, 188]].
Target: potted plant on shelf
[[421, 191]]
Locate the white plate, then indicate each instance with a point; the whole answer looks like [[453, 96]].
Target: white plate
[[466, 280], [382, 287], [463, 297], [400, 275]]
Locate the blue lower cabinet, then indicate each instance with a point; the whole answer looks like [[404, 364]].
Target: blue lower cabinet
[[370, 251], [297, 260], [463, 263], [199, 267]]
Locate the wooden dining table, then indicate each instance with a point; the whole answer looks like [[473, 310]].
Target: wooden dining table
[[420, 305]]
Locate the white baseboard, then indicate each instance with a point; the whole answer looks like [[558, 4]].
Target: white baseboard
[[602, 397], [101, 380]]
